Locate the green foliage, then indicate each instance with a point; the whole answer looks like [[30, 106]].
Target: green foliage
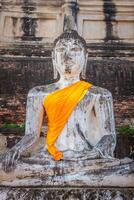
[[125, 130], [13, 126]]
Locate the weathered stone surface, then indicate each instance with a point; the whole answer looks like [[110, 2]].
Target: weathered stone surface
[[81, 142], [27, 30], [12, 109], [3, 144], [43, 20], [89, 132], [39, 23], [18, 75], [124, 111], [37, 171], [10, 137], [124, 146], [66, 193]]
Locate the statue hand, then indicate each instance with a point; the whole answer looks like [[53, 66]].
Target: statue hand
[[93, 154], [9, 160]]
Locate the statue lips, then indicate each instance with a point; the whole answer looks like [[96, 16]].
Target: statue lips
[[68, 63], [68, 66]]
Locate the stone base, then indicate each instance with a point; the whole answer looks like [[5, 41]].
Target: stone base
[[41, 178], [42, 171], [66, 193]]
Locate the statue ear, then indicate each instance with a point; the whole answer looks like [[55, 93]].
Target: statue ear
[[55, 72], [83, 74]]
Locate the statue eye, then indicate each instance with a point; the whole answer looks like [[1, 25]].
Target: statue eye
[[76, 49], [60, 49]]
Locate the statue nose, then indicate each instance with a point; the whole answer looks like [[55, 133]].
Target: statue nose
[[67, 55]]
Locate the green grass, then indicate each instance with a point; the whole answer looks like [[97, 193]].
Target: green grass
[[125, 130], [13, 126]]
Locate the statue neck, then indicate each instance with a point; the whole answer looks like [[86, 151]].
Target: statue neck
[[66, 81]]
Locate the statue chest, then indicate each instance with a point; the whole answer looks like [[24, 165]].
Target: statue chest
[[73, 136]]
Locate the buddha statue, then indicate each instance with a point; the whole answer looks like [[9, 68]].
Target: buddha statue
[[82, 125]]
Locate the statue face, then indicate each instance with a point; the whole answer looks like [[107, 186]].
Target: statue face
[[69, 57]]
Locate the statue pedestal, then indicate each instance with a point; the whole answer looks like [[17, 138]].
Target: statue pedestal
[[39, 178]]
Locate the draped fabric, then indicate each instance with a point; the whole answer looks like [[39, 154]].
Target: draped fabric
[[59, 106]]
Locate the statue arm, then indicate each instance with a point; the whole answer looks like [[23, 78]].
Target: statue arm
[[34, 118], [105, 117]]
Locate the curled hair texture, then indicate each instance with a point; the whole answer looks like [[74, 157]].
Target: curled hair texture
[[72, 34]]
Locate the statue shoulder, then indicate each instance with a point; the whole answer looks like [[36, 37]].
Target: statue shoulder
[[42, 90], [95, 90]]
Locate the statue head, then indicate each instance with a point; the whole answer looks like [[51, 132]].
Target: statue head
[[70, 54]]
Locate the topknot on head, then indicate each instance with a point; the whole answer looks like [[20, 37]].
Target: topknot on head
[[70, 32]]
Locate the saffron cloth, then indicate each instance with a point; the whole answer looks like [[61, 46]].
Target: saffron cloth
[[59, 106]]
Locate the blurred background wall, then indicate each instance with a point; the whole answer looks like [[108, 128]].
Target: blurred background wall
[[27, 31]]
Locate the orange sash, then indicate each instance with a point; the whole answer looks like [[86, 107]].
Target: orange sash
[[59, 106]]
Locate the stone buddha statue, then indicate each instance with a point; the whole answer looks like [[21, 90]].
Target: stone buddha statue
[[88, 131]]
